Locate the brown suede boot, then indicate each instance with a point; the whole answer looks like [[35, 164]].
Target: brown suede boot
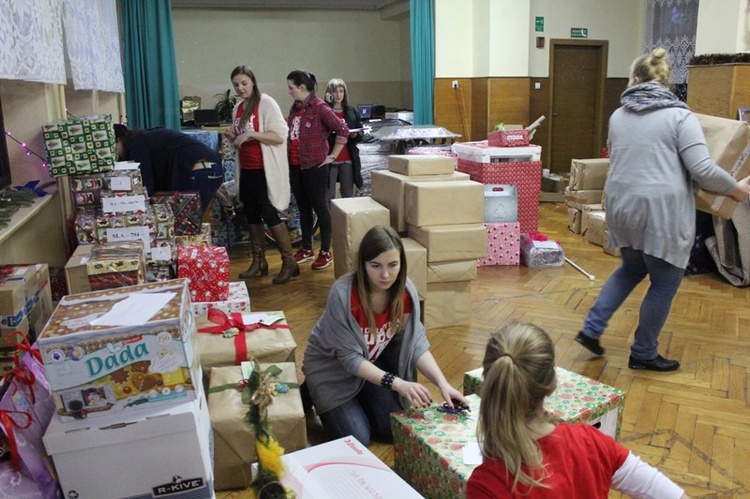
[[259, 265], [289, 267]]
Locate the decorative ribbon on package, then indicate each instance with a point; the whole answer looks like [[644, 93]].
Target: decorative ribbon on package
[[538, 251], [26, 409], [80, 146], [234, 326], [207, 270], [186, 206]]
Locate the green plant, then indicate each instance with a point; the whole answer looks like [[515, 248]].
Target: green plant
[[225, 105]]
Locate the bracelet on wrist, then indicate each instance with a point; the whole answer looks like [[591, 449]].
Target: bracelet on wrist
[[387, 380], [331, 157]]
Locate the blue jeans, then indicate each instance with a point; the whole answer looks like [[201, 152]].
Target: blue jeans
[[665, 280], [206, 182], [366, 415]]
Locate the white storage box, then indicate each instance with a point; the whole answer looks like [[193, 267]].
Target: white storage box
[[156, 453], [480, 152], [500, 203]]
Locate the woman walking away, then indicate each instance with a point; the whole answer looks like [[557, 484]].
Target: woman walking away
[[525, 456], [259, 133]]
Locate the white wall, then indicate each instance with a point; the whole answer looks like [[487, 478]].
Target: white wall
[[722, 27], [454, 38], [357, 46], [620, 22]]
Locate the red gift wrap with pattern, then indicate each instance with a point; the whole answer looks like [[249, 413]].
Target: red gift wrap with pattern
[[207, 269], [508, 138], [526, 175], [503, 244]]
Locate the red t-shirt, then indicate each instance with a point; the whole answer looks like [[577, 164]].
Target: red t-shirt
[[294, 136], [377, 341], [344, 154], [579, 459], [250, 154]]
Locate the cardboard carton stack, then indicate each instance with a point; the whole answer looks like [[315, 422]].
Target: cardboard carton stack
[[25, 303], [125, 378]]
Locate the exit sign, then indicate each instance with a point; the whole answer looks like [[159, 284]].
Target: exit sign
[[538, 23], [579, 32]]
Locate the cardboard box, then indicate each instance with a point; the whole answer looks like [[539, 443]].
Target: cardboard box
[[388, 189], [729, 145], [447, 304], [149, 453], [447, 243], [408, 164], [593, 227], [500, 203], [428, 449], [234, 437], [443, 203], [268, 339], [238, 301], [456, 271], [12, 296], [576, 199], [503, 244], [614, 251], [574, 219], [117, 350], [577, 399], [588, 174], [75, 270], [416, 263], [28, 289], [351, 218], [342, 469]]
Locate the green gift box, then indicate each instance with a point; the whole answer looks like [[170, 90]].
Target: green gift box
[[577, 399], [428, 449], [80, 146]]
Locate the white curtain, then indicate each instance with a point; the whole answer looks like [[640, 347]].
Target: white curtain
[[672, 24], [31, 42], [92, 43]]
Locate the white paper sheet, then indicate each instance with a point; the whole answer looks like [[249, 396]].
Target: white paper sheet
[[136, 309], [472, 454]]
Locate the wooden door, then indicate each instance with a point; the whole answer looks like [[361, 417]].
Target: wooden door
[[577, 72]]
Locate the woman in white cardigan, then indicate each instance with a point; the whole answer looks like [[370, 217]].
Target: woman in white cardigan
[[259, 132]]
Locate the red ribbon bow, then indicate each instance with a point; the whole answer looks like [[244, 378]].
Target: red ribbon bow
[[23, 346], [21, 373], [225, 322], [9, 423]]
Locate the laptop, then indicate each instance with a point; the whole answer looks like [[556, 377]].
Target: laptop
[[365, 111], [206, 117]]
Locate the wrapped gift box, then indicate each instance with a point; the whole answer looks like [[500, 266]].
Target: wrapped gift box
[[447, 243], [116, 265], [455, 271], [234, 437], [503, 244], [342, 469], [202, 239], [25, 299], [264, 337], [588, 174], [237, 301], [207, 268], [421, 165], [125, 179], [450, 202], [351, 218], [86, 189], [525, 175], [577, 199], [447, 304], [416, 263], [500, 203], [156, 272], [186, 207], [428, 446], [574, 220], [120, 349], [508, 138], [577, 399], [594, 225], [161, 452], [80, 146], [541, 253]]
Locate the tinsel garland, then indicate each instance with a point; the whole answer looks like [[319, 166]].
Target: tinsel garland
[[12, 200], [708, 59]]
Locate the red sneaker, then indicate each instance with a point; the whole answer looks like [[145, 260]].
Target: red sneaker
[[304, 255], [324, 260]]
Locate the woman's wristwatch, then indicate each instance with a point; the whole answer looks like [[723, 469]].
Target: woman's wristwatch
[[332, 157]]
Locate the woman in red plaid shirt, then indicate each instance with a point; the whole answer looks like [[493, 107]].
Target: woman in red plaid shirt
[[310, 122]]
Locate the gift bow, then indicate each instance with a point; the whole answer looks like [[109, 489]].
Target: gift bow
[[24, 346], [9, 422], [225, 322], [21, 373]]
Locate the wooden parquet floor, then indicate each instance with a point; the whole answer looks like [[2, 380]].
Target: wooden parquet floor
[[693, 424]]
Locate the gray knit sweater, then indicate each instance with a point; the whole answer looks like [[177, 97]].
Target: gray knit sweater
[[656, 155], [337, 347]]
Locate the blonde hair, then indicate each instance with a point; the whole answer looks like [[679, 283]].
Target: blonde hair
[[335, 83], [651, 67], [519, 371], [377, 240]]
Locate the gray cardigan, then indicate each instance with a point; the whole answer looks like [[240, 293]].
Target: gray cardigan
[[337, 347], [655, 158]]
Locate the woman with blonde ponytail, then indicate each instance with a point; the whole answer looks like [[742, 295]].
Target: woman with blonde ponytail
[[526, 456]]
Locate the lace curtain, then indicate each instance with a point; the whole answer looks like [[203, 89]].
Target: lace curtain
[[31, 43], [672, 24]]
